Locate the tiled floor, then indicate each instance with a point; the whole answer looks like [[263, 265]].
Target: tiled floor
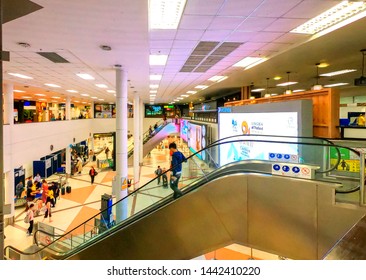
[[84, 201]]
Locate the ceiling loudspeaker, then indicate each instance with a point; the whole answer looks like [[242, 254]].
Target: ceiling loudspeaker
[[361, 81]]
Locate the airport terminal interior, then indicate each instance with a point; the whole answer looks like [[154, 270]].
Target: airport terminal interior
[[183, 130]]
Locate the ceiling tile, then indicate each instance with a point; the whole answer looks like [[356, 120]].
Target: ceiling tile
[[240, 36], [198, 7], [275, 47], [186, 34], [223, 23], [184, 44], [310, 8], [255, 24], [215, 35], [164, 44], [275, 8], [253, 46], [292, 38], [159, 34], [195, 22], [284, 25], [266, 37], [239, 8]]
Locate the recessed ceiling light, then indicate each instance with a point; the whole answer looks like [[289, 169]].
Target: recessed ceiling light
[[180, 98], [72, 90], [336, 85], [101, 85], [152, 95], [84, 94], [42, 99], [153, 91], [158, 59], [55, 97], [39, 94], [52, 85], [111, 91], [26, 97], [249, 61], [340, 72], [84, 102], [94, 97], [20, 76], [184, 95], [155, 77], [105, 48], [339, 13], [286, 84], [154, 86], [217, 78], [201, 87], [76, 101], [192, 92], [322, 65], [100, 99], [277, 78], [18, 90], [85, 76], [165, 14]]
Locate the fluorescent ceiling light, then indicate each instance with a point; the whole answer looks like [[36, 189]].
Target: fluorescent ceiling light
[[165, 14], [84, 94], [153, 91], [101, 99], [286, 84], [76, 101], [101, 85], [267, 95], [184, 95], [111, 91], [192, 92], [94, 97], [40, 94], [336, 85], [217, 78], [258, 90], [26, 97], [158, 59], [84, 102], [17, 90], [298, 90], [42, 99], [20, 76], [155, 77], [333, 16], [72, 90], [249, 61], [55, 97], [152, 95], [340, 72], [201, 87], [52, 85], [85, 76], [180, 98], [154, 86]]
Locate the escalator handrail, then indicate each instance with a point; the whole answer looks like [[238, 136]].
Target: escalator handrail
[[169, 170]]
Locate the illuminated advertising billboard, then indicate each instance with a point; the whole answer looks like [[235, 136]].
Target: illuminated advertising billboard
[[277, 124], [197, 138], [184, 129]]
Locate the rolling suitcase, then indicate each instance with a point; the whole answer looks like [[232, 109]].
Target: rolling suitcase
[[63, 190], [68, 189]]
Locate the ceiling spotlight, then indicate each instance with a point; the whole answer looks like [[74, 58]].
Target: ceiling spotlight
[[105, 48]]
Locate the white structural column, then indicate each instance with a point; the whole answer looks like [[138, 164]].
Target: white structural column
[[91, 111], [141, 118], [136, 141], [9, 175], [68, 161], [8, 104], [68, 108], [119, 185]]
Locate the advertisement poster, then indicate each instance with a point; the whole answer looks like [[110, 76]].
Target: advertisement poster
[[197, 138], [184, 130], [277, 124]]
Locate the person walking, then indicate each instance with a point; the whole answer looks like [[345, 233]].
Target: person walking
[[49, 201], [92, 173], [165, 178], [176, 164], [158, 172]]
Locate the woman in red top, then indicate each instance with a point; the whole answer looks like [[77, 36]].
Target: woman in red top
[[44, 190]]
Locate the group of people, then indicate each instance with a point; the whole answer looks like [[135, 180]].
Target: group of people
[[40, 195]]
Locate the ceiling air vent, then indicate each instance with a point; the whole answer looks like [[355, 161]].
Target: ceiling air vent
[[54, 57]]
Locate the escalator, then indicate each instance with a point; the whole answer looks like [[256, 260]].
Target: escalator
[[152, 139], [237, 202]]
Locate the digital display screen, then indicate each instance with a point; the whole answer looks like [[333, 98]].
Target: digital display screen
[[184, 129], [277, 124], [153, 111]]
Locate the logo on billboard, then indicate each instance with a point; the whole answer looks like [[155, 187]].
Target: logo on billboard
[[234, 124], [245, 128]]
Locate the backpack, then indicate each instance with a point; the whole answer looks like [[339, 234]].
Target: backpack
[[26, 218]]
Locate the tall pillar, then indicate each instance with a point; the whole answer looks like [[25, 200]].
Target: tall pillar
[[245, 92], [9, 192], [9, 104], [91, 111], [136, 141], [119, 185], [141, 118], [68, 108]]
